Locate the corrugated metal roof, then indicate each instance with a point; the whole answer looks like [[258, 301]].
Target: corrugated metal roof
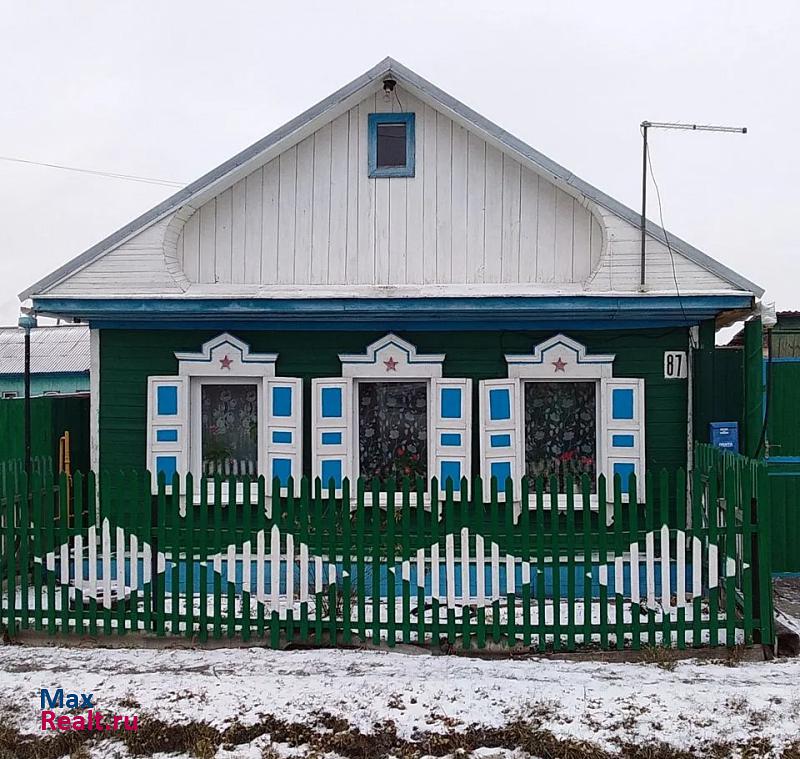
[[53, 350]]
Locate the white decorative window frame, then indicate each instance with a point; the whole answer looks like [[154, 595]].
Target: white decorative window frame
[[225, 358], [562, 359], [393, 359]]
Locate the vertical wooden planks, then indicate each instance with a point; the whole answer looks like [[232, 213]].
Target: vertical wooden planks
[[666, 587], [217, 485], [528, 225], [354, 170], [339, 201], [458, 186], [493, 233], [78, 484], [304, 211], [444, 239], [581, 243], [602, 572], [588, 575], [266, 269], [223, 236], [23, 531], [287, 214], [239, 229], [633, 507], [680, 556], [391, 565], [619, 576], [415, 203], [366, 202], [570, 546], [191, 247], [429, 194], [360, 563], [697, 560], [546, 233], [563, 241], [556, 559], [347, 565], [510, 259], [405, 559], [525, 530], [203, 551], [476, 205], [320, 205], [259, 207]]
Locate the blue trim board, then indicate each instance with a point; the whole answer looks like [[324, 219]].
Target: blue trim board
[[450, 439], [282, 437], [331, 438], [458, 313], [166, 436]]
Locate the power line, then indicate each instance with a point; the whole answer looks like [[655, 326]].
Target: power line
[[109, 174]]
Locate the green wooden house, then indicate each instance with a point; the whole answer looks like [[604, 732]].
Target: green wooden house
[[391, 285]]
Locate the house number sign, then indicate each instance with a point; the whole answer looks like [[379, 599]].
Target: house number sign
[[675, 365]]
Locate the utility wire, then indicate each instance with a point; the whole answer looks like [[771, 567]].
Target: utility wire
[[109, 174]]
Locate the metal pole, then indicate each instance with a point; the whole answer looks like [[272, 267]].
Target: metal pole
[[27, 322], [645, 125], [28, 402]]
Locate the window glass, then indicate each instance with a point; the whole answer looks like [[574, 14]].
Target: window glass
[[393, 430], [560, 431], [391, 148], [229, 429]]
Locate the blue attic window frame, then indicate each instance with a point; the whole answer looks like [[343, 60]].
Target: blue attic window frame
[[403, 170]]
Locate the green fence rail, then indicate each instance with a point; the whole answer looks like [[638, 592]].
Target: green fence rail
[[525, 568]]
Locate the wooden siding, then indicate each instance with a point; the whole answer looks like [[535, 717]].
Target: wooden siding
[[129, 357], [138, 266], [313, 216]]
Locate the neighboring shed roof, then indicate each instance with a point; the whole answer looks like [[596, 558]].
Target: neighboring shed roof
[[54, 350]]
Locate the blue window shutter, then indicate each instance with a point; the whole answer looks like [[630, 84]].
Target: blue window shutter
[[167, 428], [331, 431], [623, 431], [284, 431], [452, 430]]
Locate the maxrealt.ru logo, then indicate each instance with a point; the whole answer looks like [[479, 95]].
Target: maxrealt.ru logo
[[91, 719]]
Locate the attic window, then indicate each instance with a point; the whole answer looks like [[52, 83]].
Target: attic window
[[391, 144]]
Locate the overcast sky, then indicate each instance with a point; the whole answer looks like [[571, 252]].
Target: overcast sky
[[171, 89]]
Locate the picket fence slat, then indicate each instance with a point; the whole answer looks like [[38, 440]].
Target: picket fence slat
[[407, 563]]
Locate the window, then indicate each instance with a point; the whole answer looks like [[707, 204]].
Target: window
[[391, 144], [229, 429], [560, 432], [561, 412], [226, 413], [393, 430], [390, 415]]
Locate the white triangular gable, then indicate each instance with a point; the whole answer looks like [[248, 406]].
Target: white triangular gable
[[297, 214]]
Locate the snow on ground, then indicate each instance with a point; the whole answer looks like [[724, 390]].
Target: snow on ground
[[695, 703]]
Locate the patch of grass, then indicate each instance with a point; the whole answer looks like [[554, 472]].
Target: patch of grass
[[663, 657]]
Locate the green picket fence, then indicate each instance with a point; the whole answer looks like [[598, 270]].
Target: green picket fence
[[400, 564]]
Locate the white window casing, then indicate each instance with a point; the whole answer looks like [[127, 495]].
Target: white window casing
[[619, 409], [226, 360]]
